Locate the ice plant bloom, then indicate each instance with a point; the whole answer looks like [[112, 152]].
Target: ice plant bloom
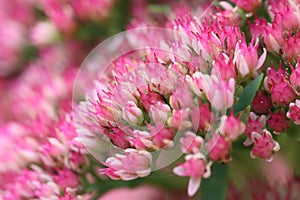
[[261, 103], [246, 57], [191, 143], [264, 145], [195, 167], [218, 147], [278, 122], [294, 112], [255, 124], [131, 165], [231, 127]]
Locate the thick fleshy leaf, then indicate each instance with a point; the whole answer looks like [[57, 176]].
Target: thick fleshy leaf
[[246, 97], [216, 186]]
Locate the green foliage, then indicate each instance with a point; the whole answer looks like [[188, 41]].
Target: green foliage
[[246, 97], [216, 186]]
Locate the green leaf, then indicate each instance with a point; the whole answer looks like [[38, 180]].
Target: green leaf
[[246, 97], [216, 186]]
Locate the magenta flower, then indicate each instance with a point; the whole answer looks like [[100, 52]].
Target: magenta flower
[[294, 112], [264, 145]]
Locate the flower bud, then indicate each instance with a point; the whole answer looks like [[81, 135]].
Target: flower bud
[[133, 114]]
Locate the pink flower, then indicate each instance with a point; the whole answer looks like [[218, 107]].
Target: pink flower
[[141, 140], [191, 143], [180, 119], [261, 103], [231, 127], [118, 137], [278, 122], [66, 178], [282, 93], [194, 167], [201, 117], [218, 147], [131, 165], [92, 9], [294, 112], [149, 99], [133, 114], [286, 14], [219, 93], [61, 14], [146, 192], [246, 57], [224, 68], [291, 47], [161, 137], [248, 5], [264, 145], [255, 124], [295, 78]]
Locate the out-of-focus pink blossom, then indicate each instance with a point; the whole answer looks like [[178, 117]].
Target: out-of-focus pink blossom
[[43, 33], [248, 5]]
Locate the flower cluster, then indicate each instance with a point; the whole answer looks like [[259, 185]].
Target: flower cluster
[[148, 104]]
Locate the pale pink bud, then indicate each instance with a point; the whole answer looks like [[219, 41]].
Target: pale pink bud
[[231, 127], [246, 57], [133, 114], [294, 112], [191, 143], [264, 145], [159, 112], [131, 165], [220, 93]]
